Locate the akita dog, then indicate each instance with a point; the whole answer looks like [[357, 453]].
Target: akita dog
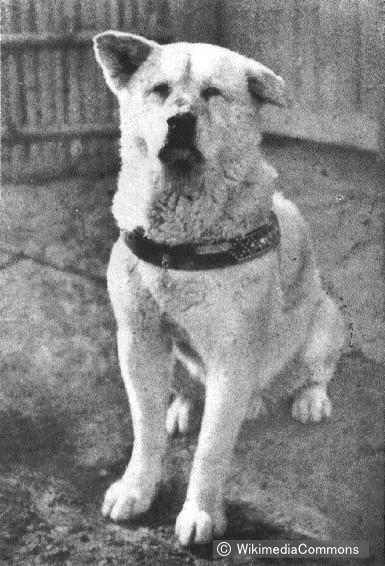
[[212, 267]]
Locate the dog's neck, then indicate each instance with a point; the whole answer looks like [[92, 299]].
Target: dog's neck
[[213, 203]]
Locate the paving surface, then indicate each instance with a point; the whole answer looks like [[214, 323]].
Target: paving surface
[[65, 430]]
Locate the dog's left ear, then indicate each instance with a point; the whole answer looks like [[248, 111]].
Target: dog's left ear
[[120, 55], [266, 86]]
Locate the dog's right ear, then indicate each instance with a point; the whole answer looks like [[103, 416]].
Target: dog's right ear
[[120, 55]]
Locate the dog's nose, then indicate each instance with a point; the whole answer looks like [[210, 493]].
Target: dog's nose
[[185, 121], [181, 129]]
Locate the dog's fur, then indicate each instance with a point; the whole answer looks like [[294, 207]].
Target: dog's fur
[[233, 328]]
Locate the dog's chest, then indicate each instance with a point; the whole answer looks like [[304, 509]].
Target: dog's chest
[[201, 300], [177, 294]]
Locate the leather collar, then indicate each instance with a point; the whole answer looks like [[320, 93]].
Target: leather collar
[[205, 255]]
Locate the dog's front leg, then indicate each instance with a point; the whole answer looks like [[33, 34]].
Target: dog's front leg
[[145, 362], [227, 397]]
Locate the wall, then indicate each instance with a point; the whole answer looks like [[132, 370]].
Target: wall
[[331, 53]]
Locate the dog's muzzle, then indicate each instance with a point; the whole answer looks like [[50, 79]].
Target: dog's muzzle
[[180, 149]]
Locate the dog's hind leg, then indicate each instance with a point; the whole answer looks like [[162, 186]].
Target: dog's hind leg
[[179, 416], [183, 415], [319, 359]]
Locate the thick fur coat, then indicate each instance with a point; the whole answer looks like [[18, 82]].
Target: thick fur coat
[[233, 328]]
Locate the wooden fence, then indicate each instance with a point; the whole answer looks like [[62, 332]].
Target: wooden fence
[[330, 52], [58, 117]]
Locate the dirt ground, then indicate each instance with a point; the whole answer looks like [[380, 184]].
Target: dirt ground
[[65, 430]]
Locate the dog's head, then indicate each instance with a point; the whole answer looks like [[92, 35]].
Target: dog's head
[[184, 105]]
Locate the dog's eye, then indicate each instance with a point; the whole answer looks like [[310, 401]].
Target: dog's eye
[[210, 91], [162, 89]]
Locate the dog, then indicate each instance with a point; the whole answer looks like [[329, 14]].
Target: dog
[[212, 268]]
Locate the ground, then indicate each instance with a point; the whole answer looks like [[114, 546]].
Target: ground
[[65, 430]]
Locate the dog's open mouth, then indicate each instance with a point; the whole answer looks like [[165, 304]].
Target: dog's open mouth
[[179, 151], [183, 158]]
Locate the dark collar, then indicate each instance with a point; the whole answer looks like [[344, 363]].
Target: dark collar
[[205, 255]]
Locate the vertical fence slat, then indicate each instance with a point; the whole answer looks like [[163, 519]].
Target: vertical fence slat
[[47, 82], [74, 108], [6, 160], [346, 55], [15, 17], [305, 48], [17, 102], [372, 14], [5, 95], [58, 15], [102, 16], [285, 40], [31, 87], [107, 16], [33, 104], [328, 48], [129, 15], [264, 39], [6, 17], [6, 118], [88, 14], [114, 14]]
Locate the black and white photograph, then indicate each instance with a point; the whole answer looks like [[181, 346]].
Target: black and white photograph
[[192, 282]]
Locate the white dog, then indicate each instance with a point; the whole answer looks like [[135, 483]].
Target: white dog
[[211, 268]]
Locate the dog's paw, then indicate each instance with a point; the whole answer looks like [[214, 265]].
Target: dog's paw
[[312, 405], [197, 526], [179, 416], [124, 501]]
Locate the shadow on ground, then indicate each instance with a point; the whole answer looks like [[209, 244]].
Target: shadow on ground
[[289, 482]]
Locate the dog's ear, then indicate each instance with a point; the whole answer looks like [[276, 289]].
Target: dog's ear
[[266, 86], [120, 55]]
